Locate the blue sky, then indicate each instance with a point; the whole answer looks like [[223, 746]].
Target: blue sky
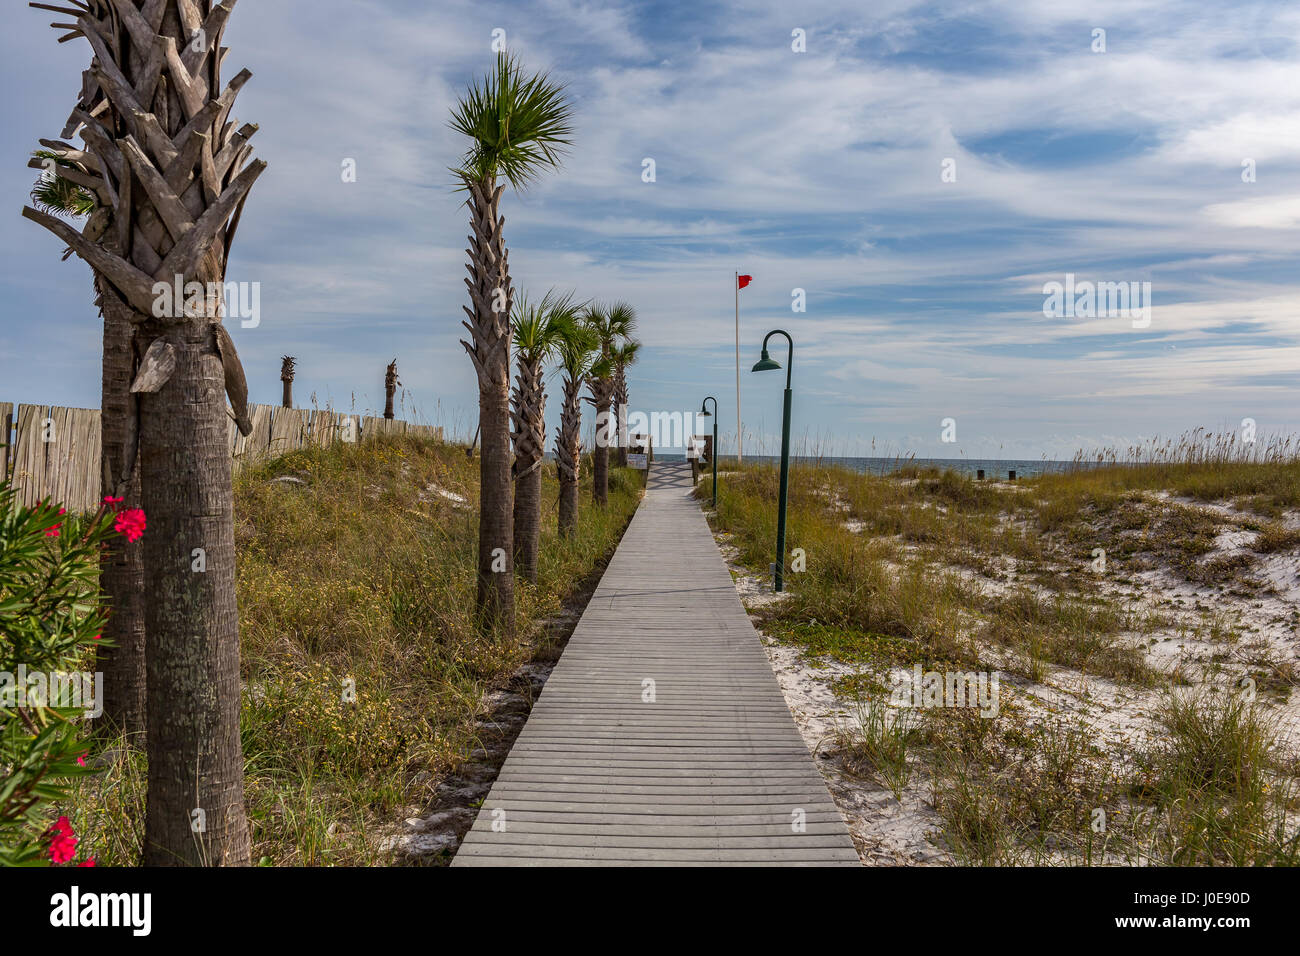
[[818, 170]]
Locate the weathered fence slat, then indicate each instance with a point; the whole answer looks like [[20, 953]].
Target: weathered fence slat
[[256, 445], [54, 452], [324, 429], [29, 453], [56, 456], [59, 470], [82, 460], [6, 437], [288, 430]]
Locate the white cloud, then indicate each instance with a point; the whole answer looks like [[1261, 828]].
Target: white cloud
[[817, 170]]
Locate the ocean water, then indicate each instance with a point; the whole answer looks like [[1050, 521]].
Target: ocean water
[[994, 468]]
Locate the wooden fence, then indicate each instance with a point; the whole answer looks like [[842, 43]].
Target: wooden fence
[[52, 452]]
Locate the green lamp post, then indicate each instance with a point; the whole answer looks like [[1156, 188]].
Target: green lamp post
[[713, 454], [764, 364]]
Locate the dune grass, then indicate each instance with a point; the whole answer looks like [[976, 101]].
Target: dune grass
[[932, 567], [882, 563], [362, 669]]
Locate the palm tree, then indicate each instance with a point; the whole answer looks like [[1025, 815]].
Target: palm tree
[[390, 388], [610, 324], [121, 577], [286, 376], [517, 127], [165, 155], [578, 355], [623, 356], [537, 331]]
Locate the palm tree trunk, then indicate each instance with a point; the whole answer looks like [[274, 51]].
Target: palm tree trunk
[[528, 414], [173, 163], [568, 520], [121, 574], [489, 327], [568, 451], [600, 453], [496, 592], [390, 389], [620, 413], [195, 760], [528, 523], [286, 376]]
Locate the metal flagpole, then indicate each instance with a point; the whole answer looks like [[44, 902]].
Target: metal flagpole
[[740, 447]]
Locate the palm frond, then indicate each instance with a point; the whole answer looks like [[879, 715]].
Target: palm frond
[[538, 326], [576, 348], [517, 125], [595, 317], [622, 320], [58, 196], [612, 324], [626, 353]]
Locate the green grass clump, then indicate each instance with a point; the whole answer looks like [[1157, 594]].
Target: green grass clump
[[928, 566], [1014, 793], [360, 661], [878, 743], [1221, 786], [1275, 537]]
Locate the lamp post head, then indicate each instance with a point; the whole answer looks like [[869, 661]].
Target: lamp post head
[[765, 363]]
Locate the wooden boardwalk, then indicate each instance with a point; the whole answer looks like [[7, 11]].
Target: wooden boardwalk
[[710, 771]]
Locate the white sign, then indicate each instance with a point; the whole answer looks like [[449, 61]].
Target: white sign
[[636, 461]]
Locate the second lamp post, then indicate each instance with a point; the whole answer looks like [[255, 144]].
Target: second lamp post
[[765, 363], [713, 452]]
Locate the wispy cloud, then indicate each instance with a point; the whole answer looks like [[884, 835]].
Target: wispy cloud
[[818, 171]]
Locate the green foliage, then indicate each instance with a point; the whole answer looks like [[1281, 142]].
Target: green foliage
[[887, 584], [363, 674], [1221, 793], [539, 327], [518, 125], [612, 324], [626, 353], [50, 618], [55, 194], [576, 348]]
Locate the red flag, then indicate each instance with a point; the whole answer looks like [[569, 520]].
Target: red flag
[[744, 281]]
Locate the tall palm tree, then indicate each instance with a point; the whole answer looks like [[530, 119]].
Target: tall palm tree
[[578, 352], [610, 324], [390, 388], [164, 153], [517, 126], [287, 363], [537, 331], [121, 655], [624, 355]]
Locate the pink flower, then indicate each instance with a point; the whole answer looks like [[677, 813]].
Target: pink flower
[[81, 761], [97, 637], [130, 523], [54, 531], [63, 843], [113, 502], [88, 861]]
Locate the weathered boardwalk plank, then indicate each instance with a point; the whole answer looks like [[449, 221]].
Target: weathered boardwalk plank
[[713, 772]]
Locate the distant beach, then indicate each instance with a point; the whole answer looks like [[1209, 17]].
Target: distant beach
[[993, 468]]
